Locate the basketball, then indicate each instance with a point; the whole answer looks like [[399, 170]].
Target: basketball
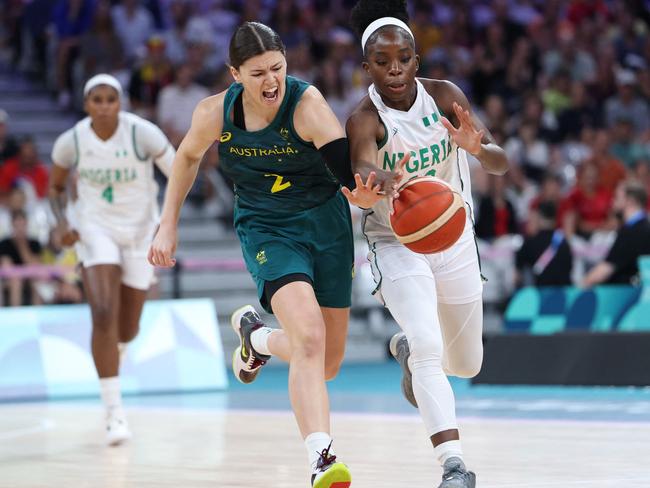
[[429, 215]]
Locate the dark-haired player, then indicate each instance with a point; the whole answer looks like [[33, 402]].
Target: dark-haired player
[[277, 138], [435, 298]]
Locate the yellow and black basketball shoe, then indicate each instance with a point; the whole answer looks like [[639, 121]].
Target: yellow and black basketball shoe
[[246, 362], [329, 473]]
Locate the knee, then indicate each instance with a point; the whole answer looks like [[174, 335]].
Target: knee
[[332, 368], [425, 347], [309, 342], [103, 317], [127, 334], [466, 367]]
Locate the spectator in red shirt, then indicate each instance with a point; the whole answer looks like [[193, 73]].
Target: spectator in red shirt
[[496, 214], [611, 171], [24, 167], [587, 207]]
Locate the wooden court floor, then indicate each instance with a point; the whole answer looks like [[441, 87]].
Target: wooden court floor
[[59, 445]]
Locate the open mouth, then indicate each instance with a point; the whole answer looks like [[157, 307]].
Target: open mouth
[[271, 95], [397, 87]]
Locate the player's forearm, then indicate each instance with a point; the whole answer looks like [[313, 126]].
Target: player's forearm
[[493, 159], [184, 171], [57, 200]]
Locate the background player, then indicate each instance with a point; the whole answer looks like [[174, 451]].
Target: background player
[[436, 299], [276, 134], [114, 220]]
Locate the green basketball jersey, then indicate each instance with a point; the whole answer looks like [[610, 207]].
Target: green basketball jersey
[[273, 169]]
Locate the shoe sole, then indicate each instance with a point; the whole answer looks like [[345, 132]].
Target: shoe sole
[[338, 476], [407, 381], [235, 319], [118, 441]]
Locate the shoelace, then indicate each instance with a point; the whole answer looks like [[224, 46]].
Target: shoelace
[[325, 458]]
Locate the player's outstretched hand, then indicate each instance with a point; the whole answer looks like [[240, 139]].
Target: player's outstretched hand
[[364, 195], [467, 137], [163, 247]]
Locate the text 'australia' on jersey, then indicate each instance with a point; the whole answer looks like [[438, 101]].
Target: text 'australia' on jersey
[[273, 170]]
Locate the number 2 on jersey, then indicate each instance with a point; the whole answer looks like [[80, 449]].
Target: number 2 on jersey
[[107, 194], [279, 184]]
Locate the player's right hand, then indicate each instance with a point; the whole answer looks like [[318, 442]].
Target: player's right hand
[[68, 236], [163, 247]]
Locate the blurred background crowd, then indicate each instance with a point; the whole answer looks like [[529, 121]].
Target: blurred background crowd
[[563, 85]]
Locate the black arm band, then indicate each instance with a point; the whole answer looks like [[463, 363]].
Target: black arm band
[[337, 158]]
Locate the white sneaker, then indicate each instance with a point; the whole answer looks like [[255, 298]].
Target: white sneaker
[[117, 429]]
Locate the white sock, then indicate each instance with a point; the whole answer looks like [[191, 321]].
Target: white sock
[[315, 443], [448, 450], [111, 393], [260, 340]]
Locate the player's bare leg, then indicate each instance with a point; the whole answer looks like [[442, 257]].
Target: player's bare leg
[[102, 287]]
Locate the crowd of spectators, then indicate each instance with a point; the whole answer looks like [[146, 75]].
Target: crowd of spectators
[[563, 85]]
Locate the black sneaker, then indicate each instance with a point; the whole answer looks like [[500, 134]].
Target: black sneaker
[[329, 473], [399, 348], [246, 363], [455, 475]]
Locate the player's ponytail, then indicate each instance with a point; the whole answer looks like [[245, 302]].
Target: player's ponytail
[[251, 39]]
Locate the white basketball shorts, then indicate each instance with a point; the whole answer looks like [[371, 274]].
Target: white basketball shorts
[[456, 271], [101, 245]]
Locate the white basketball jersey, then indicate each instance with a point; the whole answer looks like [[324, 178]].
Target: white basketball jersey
[[433, 152], [116, 187]]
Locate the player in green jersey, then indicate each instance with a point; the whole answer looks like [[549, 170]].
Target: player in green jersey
[[282, 146]]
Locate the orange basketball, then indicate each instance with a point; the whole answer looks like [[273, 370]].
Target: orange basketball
[[429, 215]]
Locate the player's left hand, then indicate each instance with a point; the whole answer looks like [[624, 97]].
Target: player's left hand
[[364, 195], [466, 136]]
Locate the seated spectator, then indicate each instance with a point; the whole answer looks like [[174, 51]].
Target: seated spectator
[[8, 145], [624, 145], [19, 250], [25, 167], [627, 104], [587, 207], [529, 151], [71, 19], [633, 240], [66, 288], [611, 171], [152, 75], [496, 214], [177, 103], [101, 48], [134, 24], [545, 254]]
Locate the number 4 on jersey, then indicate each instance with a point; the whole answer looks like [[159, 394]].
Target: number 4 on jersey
[[107, 194]]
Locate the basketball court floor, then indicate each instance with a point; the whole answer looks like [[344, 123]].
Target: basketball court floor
[[246, 437]]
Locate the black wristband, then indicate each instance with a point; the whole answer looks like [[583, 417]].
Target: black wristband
[[336, 155]]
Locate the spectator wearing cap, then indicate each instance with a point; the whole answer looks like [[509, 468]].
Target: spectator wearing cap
[[24, 168], [153, 74], [8, 145], [632, 240], [626, 104], [545, 255]]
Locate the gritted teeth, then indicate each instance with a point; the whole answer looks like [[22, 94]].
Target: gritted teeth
[[270, 93]]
